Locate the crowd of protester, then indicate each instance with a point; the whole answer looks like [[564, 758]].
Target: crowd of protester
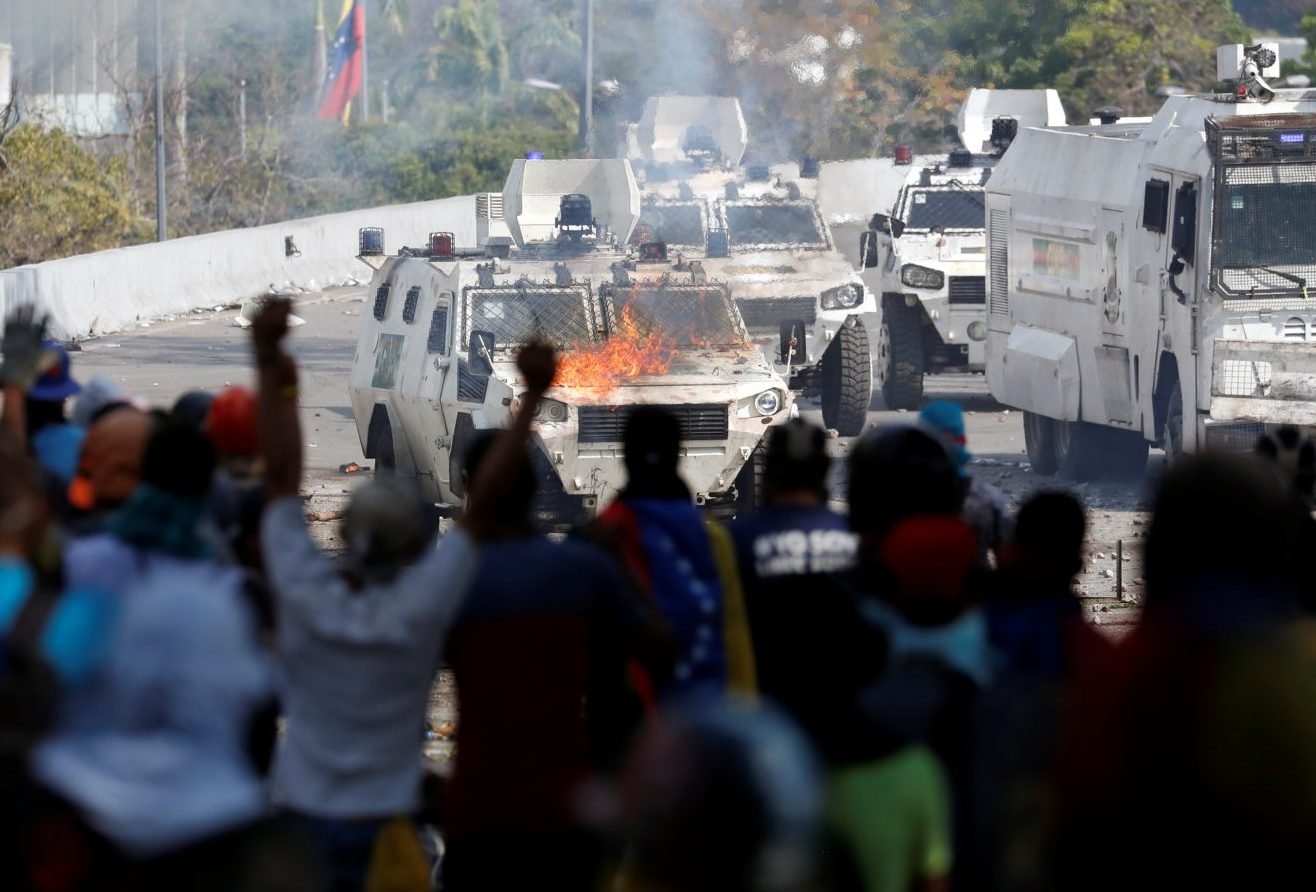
[[899, 696]]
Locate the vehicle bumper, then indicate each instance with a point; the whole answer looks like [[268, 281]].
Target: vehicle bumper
[[1263, 383]]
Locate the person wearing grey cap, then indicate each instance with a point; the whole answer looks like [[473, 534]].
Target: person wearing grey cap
[[359, 643]]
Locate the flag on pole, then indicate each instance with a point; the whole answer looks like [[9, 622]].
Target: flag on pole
[[342, 83]]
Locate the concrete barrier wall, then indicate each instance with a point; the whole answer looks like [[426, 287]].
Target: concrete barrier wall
[[112, 290]]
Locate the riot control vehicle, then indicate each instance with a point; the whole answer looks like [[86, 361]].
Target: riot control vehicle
[[926, 258], [1149, 284], [760, 231], [634, 326]]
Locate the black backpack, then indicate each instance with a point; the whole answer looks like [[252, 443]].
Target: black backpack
[[29, 687]]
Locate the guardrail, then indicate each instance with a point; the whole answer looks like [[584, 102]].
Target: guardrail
[[109, 291]]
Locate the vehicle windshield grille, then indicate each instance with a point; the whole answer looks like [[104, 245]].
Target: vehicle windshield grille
[[775, 224], [687, 315], [1265, 232], [956, 209], [675, 224], [563, 315]]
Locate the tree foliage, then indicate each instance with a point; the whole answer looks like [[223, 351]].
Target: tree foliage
[[463, 85], [57, 200]]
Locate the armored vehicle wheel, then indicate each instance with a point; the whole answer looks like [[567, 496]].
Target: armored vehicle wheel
[[847, 380], [1040, 443], [1125, 454], [749, 483], [899, 359], [1094, 452], [1078, 450], [1173, 442], [386, 463]]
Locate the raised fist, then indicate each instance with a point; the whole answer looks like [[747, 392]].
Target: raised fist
[[270, 327], [22, 346], [538, 364]]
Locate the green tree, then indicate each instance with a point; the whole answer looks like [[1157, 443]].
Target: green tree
[[1117, 52], [471, 52], [56, 200]]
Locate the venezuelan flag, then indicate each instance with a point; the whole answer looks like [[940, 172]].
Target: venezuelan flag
[[342, 82]]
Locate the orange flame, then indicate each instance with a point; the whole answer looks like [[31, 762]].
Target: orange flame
[[628, 353]]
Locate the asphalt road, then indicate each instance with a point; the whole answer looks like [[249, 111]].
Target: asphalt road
[[164, 359]]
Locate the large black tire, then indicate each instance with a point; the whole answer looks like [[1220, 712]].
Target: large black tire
[[1096, 452], [1125, 454], [899, 357], [1040, 443], [1173, 442], [1078, 450], [749, 483], [386, 462], [847, 380]]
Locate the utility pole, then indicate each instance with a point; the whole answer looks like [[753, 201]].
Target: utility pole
[[587, 98], [161, 229]]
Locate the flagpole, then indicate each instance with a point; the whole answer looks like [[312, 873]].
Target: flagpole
[[365, 66]]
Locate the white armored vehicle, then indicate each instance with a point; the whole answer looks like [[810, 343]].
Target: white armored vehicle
[[760, 231], [927, 257], [1149, 284], [436, 358]]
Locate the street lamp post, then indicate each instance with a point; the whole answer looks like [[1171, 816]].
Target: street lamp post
[[587, 97], [161, 230]]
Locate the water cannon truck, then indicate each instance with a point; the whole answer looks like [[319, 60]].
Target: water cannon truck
[[1149, 283]]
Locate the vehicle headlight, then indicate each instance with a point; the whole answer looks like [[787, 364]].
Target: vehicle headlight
[[768, 402], [916, 276], [843, 297], [551, 410]]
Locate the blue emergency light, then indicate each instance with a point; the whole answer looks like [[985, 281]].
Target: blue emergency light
[[1290, 138], [534, 155]]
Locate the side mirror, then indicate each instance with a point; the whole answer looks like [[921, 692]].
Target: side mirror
[[482, 351], [868, 249], [884, 223]]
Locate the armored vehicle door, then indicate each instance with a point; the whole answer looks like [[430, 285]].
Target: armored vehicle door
[[1180, 298], [1113, 356], [428, 420]]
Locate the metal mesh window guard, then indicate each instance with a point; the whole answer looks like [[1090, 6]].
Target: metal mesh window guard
[[1243, 378], [438, 334], [947, 208], [381, 301], [409, 304], [563, 315], [772, 224], [690, 315], [676, 223], [1265, 232]]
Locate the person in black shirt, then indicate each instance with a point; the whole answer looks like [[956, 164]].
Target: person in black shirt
[[811, 646]]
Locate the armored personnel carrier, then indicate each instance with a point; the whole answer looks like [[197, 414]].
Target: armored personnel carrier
[[927, 257], [1149, 283], [436, 358], [759, 230]]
